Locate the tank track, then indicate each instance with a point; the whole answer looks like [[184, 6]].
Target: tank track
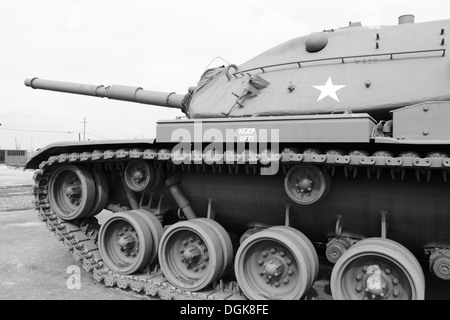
[[79, 237]]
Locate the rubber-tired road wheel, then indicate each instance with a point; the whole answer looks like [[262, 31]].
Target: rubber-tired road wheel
[[71, 192], [125, 242], [191, 254], [278, 263], [101, 192], [377, 269]]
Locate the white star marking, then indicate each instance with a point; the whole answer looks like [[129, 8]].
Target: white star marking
[[328, 90]]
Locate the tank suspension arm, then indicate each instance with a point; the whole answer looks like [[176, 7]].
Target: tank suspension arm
[[211, 214], [384, 225], [287, 217], [130, 194], [114, 92], [179, 197]]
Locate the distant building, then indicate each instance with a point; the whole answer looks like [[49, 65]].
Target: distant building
[[14, 157]]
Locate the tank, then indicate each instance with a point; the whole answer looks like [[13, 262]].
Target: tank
[[327, 152]]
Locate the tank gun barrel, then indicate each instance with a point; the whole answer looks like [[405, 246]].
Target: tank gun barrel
[[115, 92]]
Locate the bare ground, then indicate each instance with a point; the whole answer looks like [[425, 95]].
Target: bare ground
[[16, 189], [16, 198], [35, 266]]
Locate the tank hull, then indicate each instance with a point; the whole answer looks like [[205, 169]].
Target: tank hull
[[413, 195], [417, 210], [367, 198]]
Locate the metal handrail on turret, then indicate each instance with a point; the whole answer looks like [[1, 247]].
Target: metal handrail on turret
[[341, 59]]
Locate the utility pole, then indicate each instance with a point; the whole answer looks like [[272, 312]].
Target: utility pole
[[84, 128]]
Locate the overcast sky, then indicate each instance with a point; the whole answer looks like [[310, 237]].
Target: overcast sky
[[162, 45]]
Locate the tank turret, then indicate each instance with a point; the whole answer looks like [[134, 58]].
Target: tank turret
[[356, 69], [360, 69], [115, 92]]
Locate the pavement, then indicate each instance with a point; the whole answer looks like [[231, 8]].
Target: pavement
[[10, 176], [33, 264]]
